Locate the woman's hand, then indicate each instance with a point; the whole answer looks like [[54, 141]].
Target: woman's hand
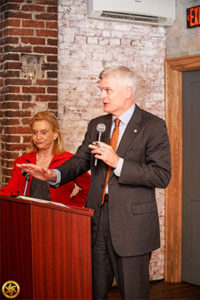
[[38, 172]]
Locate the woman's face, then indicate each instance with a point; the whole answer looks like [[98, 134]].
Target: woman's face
[[43, 135]]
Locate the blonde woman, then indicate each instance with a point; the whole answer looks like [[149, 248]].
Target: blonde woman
[[46, 150]]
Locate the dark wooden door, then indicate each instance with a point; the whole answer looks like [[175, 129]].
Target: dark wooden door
[[191, 178]]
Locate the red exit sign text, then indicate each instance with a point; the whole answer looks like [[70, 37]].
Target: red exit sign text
[[193, 17]]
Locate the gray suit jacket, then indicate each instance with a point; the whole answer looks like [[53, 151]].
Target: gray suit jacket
[[133, 214]]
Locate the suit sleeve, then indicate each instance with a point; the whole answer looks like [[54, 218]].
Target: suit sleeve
[[79, 163], [152, 165]]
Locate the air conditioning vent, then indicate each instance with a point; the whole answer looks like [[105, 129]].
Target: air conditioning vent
[[129, 17], [156, 12]]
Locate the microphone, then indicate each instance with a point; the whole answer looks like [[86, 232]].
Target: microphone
[[27, 179], [100, 128]]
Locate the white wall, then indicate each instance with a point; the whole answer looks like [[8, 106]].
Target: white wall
[[85, 48], [182, 41]]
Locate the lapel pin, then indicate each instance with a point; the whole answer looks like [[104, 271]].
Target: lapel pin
[[135, 130]]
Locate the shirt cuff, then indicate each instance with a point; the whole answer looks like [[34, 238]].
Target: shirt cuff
[[58, 179], [118, 169]]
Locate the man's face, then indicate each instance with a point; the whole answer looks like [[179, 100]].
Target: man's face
[[115, 95]]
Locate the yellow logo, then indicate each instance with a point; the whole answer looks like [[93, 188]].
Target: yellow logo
[[10, 289]]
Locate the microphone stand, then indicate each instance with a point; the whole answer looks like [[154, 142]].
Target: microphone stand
[[27, 179]]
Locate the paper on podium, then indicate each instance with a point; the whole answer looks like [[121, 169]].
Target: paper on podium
[[41, 201]]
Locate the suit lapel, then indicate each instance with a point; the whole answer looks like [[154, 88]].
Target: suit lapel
[[106, 135], [131, 132], [129, 135], [106, 138]]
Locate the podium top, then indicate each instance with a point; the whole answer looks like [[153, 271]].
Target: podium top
[[49, 204]]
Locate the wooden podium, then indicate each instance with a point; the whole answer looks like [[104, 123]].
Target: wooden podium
[[46, 248]]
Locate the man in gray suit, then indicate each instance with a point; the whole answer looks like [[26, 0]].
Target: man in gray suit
[[125, 226]]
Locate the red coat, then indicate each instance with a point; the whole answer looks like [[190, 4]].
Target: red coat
[[61, 194]]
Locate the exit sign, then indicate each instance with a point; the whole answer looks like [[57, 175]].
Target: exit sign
[[193, 17]]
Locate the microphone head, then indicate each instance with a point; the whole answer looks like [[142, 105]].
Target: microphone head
[[101, 127], [24, 173]]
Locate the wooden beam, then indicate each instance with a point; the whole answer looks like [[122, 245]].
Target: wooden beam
[[173, 206]]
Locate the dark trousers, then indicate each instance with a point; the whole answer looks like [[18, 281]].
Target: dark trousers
[[131, 273]]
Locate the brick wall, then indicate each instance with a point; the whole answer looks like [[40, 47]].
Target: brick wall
[[85, 48], [28, 66]]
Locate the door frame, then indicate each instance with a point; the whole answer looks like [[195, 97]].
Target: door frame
[[173, 200]]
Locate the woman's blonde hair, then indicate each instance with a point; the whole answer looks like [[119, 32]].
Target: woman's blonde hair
[[50, 117]]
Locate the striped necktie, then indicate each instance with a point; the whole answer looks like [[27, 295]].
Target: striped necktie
[[113, 143]]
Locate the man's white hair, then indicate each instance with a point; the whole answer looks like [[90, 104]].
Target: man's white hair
[[122, 73]]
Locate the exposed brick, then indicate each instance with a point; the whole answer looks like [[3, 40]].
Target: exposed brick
[[52, 9], [13, 2], [17, 130], [17, 97], [11, 56], [49, 67], [33, 41], [7, 163], [5, 181], [46, 33], [27, 139], [11, 40], [52, 25], [11, 22], [10, 139], [7, 122], [28, 105], [28, 26], [34, 8], [19, 32], [52, 58], [26, 121], [19, 15], [6, 171], [11, 105], [46, 50], [33, 24], [11, 89], [46, 17], [23, 49], [9, 155], [12, 74], [47, 2], [46, 98], [52, 42], [47, 82], [33, 89], [52, 90], [52, 74], [9, 6], [16, 147], [17, 81], [13, 65], [18, 113], [52, 106]]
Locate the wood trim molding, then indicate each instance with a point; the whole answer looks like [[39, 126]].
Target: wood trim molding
[[173, 206]]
